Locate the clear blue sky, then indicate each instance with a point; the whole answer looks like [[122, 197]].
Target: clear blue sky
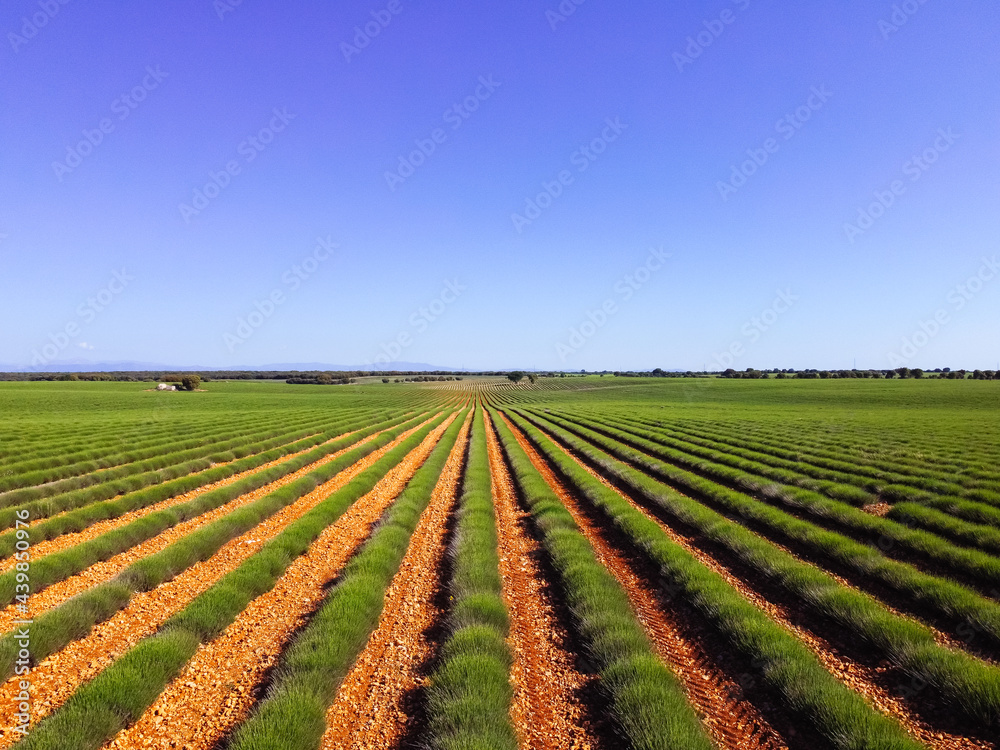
[[665, 98]]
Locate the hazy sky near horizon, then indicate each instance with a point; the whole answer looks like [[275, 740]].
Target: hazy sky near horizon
[[575, 185]]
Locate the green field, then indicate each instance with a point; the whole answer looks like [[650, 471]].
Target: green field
[[706, 563]]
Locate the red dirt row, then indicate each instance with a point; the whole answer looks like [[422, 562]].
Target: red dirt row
[[546, 711], [58, 676], [732, 722], [216, 689], [369, 710], [859, 677], [106, 570]]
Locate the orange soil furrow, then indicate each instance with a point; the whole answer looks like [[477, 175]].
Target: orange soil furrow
[[546, 710], [216, 689], [369, 710], [106, 570], [58, 676], [859, 677], [65, 541], [732, 722]]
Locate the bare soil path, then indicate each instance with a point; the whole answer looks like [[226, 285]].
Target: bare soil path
[[547, 711], [56, 678], [369, 710], [219, 686], [731, 721], [104, 571], [859, 677]]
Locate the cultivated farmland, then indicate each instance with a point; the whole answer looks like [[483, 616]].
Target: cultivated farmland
[[582, 562]]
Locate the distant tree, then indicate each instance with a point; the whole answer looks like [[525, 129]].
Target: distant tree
[[190, 382], [385, 380], [515, 377], [324, 378], [916, 372], [903, 372], [534, 378]]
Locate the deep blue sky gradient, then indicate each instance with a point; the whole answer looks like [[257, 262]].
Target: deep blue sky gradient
[[525, 292]]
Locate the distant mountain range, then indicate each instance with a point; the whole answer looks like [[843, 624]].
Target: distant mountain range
[[83, 365]]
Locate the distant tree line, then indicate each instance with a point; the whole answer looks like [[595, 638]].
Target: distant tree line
[[323, 378], [188, 381], [330, 378], [413, 376], [658, 373], [423, 379], [900, 372], [753, 374]]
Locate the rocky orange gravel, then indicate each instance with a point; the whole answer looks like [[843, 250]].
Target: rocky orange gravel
[[105, 570], [731, 721], [58, 676], [215, 690], [859, 677], [369, 710], [546, 710]]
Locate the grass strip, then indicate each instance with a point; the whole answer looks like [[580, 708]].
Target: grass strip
[[51, 506], [470, 694], [835, 484], [785, 665], [971, 686], [306, 682], [967, 510], [122, 692], [646, 699], [106, 445], [204, 437], [68, 562], [886, 535], [965, 468], [823, 465], [82, 518], [74, 619], [128, 475], [983, 538], [969, 615], [875, 485]]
